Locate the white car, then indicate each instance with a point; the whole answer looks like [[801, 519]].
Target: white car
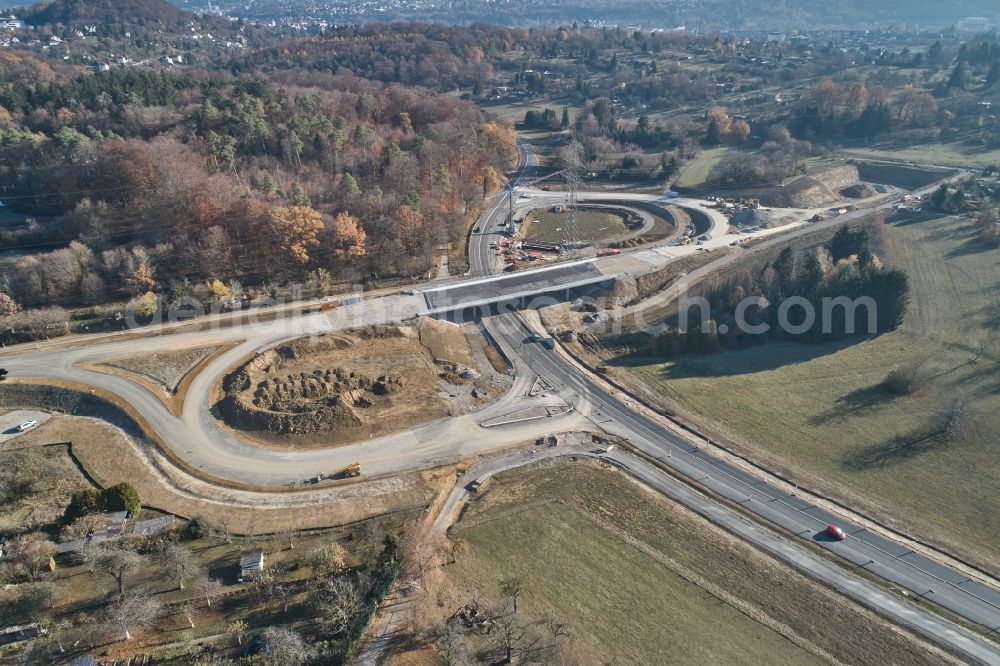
[[27, 425]]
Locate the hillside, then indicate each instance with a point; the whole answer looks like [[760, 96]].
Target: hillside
[[107, 12], [704, 15]]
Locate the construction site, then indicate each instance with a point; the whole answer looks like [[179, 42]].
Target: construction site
[[353, 385]]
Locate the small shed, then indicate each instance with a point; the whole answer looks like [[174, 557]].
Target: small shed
[[19, 633], [251, 565]]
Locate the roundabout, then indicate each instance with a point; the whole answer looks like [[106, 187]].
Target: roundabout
[[203, 462]]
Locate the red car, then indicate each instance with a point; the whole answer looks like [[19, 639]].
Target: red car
[[835, 532]]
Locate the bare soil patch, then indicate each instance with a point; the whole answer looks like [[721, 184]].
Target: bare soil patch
[[166, 369], [166, 375], [348, 386]]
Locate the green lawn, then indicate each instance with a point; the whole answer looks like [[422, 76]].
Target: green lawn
[[515, 109], [818, 411], [945, 154], [695, 173], [625, 600], [639, 579], [591, 225]]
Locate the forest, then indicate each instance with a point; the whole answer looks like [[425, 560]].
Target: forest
[[137, 181], [749, 308], [354, 155]]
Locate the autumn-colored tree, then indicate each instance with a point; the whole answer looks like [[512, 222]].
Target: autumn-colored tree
[[492, 181], [8, 306], [141, 278], [500, 139], [856, 99], [739, 132], [351, 237], [297, 228], [145, 306], [219, 290], [828, 97], [411, 229]]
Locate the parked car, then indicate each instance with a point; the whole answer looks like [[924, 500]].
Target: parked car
[[835, 532], [27, 425]]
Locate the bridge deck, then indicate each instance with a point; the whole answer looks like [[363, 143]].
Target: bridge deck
[[512, 286]]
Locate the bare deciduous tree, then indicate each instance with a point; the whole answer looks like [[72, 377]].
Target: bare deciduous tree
[[520, 639], [209, 588], [511, 587], [179, 561], [423, 549], [286, 647], [450, 642], [117, 560], [188, 615], [30, 553], [339, 600], [132, 611]]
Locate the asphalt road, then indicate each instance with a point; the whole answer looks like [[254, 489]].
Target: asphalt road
[[886, 559], [483, 258], [199, 439], [510, 284]]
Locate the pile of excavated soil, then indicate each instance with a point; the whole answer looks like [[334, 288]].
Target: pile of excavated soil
[[859, 191], [752, 217], [818, 188], [349, 386]]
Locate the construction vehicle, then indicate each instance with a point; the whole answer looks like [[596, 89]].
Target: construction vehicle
[[328, 304], [352, 470]]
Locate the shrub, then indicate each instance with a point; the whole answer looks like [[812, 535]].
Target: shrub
[[121, 497], [904, 380], [31, 325], [82, 503], [197, 528]]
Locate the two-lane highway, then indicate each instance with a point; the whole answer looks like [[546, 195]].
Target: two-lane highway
[[487, 232], [889, 560]]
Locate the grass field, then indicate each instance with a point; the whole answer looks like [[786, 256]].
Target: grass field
[[694, 174], [591, 225], [641, 580], [818, 412], [515, 110], [108, 456], [945, 154]]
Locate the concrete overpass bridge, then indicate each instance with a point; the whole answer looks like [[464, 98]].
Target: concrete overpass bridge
[[532, 288]]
